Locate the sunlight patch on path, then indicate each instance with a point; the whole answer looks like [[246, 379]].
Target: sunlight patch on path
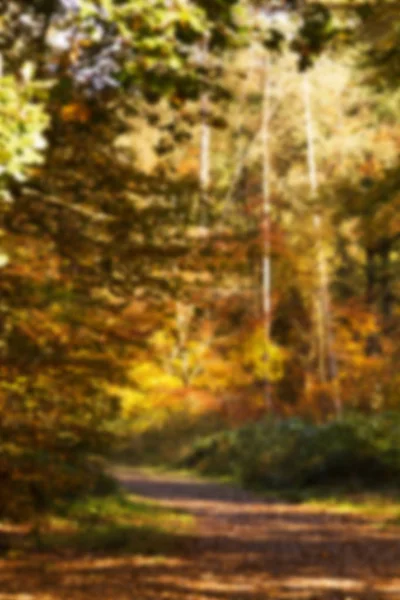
[[325, 583], [207, 583]]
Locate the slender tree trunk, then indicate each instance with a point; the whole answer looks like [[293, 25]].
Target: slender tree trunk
[[370, 277], [201, 210], [372, 346], [324, 317], [182, 310], [183, 315], [266, 192], [387, 296], [205, 141], [244, 146]]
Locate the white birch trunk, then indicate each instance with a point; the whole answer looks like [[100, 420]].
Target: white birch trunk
[[266, 193], [182, 311], [205, 141], [324, 317]]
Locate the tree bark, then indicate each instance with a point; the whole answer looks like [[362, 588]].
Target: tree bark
[[266, 193], [324, 317], [205, 142]]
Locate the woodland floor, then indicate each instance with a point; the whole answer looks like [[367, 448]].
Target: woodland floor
[[241, 548]]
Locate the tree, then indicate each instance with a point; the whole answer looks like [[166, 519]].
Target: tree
[[80, 227]]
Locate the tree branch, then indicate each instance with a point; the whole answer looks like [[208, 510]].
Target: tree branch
[[81, 211]]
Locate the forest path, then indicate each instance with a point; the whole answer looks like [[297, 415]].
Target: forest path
[[242, 548], [248, 549]]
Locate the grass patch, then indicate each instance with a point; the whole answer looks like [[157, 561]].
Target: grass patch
[[384, 507], [118, 523]]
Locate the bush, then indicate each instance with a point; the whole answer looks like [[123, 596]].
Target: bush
[[355, 450]]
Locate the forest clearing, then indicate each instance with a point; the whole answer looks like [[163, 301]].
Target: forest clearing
[[200, 281]]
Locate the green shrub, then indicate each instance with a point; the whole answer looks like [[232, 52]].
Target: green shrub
[[355, 450]]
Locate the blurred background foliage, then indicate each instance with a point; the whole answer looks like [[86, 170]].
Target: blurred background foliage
[[132, 239]]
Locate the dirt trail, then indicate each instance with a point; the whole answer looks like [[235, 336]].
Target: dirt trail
[[242, 549]]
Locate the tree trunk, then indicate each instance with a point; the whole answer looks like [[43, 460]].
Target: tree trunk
[[387, 296], [205, 142], [324, 318], [372, 345], [266, 192]]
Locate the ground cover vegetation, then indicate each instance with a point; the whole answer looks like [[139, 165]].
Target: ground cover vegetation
[[199, 229], [348, 454]]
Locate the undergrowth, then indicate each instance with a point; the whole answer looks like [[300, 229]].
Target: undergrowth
[[99, 524], [292, 455]]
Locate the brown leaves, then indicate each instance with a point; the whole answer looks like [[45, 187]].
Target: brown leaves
[[242, 548]]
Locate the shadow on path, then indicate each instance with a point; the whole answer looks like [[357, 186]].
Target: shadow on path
[[242, 549]]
